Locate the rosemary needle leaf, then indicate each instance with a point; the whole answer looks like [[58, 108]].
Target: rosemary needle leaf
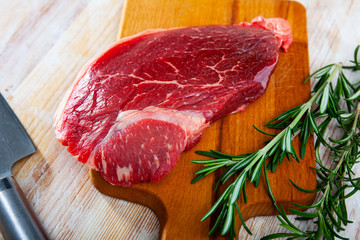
[[197, 178], [290, 228], [210, 169], [357, 63], [293, 154], [218, 220], [284, 141], [321, 74], [285, 114], [344, 211], [326, 231], [325, 99], [339, 214], [274, 149], [228, 155], [208, 161], [257, 169], [241, 219], [228, 220], [216, 205], [269, 134], [354, 96], [208, 154], [257, 179], [304, 136], [303, 214], [238, 184], [325, 67], [321, 227], [307, 207], [346, 84], [244, 193], [269, 187], [340, 192]]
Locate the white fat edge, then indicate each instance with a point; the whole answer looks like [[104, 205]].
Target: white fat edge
[[192, 122], [104, 165], [261, 77], [240, 108], [157, 162], [123, 173], [168, 158], [91, 160], [264, 73]]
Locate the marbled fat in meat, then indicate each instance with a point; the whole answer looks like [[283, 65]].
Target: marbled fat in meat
[[138, 105]]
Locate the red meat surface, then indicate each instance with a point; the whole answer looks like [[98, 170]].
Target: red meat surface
[[138, 105]]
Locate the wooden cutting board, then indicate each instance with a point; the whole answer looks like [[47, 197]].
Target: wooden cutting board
[[180, 205]]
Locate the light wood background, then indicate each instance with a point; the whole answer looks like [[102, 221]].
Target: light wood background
[[37, 36]]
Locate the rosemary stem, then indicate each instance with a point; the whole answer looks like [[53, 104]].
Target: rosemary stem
[[328, 81], [307, 106]]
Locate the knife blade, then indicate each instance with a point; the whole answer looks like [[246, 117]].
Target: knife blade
[[17, 219]]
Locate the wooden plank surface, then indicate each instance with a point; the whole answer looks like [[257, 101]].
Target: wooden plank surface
[[45, 43], [180, 205]]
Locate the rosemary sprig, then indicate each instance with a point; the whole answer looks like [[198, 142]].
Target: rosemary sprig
[[330, 213], [300, 119]]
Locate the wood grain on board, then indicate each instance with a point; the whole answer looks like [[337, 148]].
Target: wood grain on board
[[180, 205]]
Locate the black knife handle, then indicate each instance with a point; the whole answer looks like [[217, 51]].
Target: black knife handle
[[17, 219]]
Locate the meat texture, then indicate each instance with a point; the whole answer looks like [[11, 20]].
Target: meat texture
[[138, 105]]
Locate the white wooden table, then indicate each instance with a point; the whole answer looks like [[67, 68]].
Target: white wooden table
[[39, 40]]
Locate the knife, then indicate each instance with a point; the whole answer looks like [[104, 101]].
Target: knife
[[17, 219]]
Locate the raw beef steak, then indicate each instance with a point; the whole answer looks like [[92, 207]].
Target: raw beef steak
[[139, 104]]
